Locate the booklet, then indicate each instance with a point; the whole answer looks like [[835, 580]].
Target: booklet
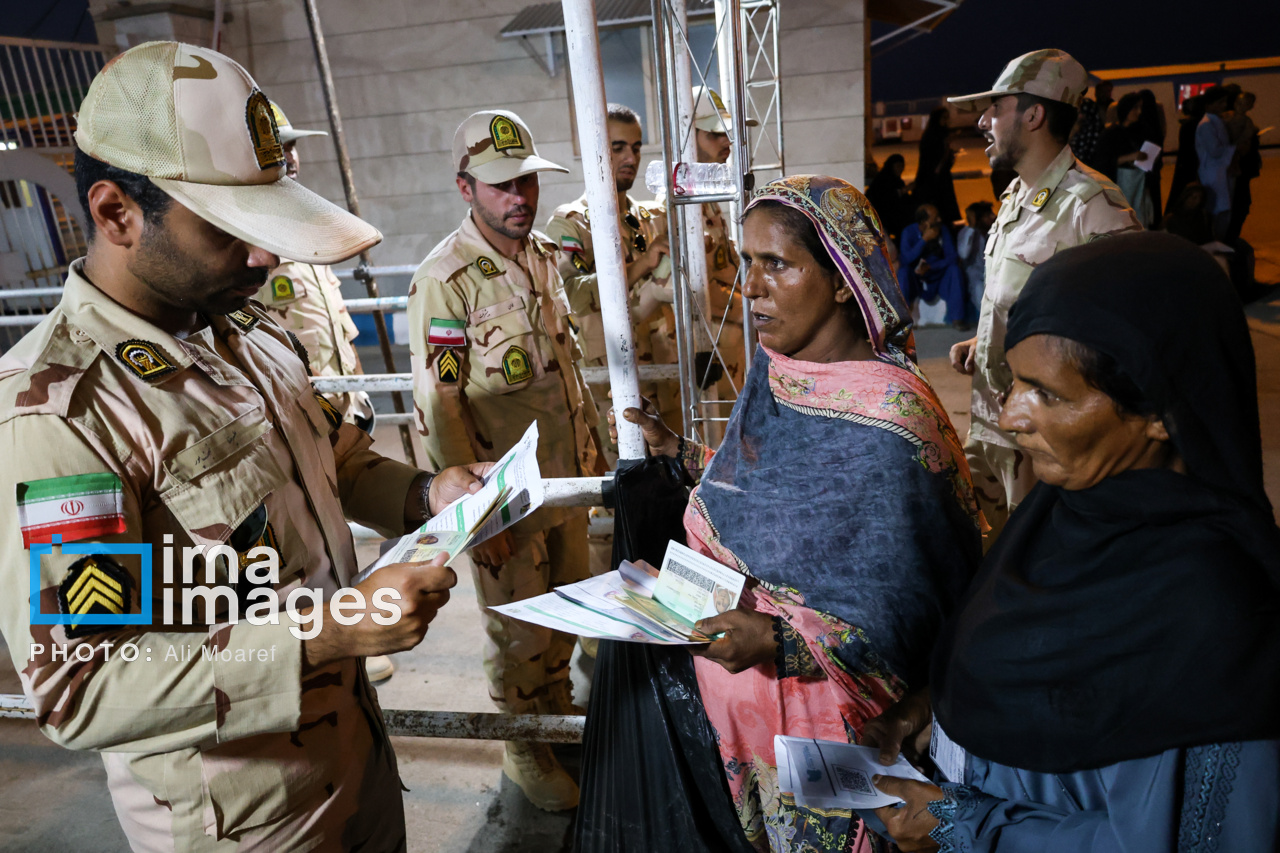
[[631, 605], [511, 491], [824, 774]]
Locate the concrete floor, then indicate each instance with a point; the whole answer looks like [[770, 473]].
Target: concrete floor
[[54, 800]]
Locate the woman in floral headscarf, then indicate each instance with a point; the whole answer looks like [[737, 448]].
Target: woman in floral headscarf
[[842, 492]]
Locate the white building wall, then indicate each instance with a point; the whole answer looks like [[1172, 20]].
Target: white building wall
[[407, 72]]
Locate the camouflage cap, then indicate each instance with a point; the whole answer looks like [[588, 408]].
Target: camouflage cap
[[195, 122], [289, 133], [1050, 74], [710, 113], [496, 146]]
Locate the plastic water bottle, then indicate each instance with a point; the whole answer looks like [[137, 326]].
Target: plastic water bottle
[[691, 178]]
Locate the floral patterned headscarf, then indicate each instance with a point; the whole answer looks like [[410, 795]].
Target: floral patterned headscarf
[[851, 230]]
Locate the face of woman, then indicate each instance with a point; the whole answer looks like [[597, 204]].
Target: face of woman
[[797, 307], [1074, 434]]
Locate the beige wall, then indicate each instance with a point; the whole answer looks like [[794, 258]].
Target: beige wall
[[408, 71]]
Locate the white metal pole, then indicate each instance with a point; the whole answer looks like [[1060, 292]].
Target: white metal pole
[[688, 146], [582, 40]]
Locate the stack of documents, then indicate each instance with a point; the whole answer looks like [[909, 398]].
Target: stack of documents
[[512, 490], [824, 774], [631, 605]]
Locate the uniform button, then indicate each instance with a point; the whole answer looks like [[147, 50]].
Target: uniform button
[[79, 336]]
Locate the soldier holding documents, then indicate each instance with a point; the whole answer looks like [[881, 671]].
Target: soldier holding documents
[[158, 409]]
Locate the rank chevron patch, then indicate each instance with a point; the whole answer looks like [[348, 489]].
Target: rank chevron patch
[[95, 585]]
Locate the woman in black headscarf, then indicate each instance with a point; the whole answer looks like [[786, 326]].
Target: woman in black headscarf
[[888, 195], [934, 184], [1112, 680]]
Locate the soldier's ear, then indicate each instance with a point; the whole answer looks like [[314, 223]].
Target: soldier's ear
[[1035, 116], [117, 218]]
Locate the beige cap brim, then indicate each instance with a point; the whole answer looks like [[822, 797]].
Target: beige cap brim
[[977, 103], [714, 124], [292, 135], [509, 168], [283, 217]]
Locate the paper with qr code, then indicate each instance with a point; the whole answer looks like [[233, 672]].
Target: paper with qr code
[[823, 774]]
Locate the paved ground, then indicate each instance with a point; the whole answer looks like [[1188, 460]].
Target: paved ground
[[53, 800]]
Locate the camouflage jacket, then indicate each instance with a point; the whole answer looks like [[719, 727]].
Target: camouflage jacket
[[122, 434]]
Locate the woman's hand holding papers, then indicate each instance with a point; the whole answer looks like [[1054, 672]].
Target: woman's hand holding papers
[[910, 822], [748, 639]]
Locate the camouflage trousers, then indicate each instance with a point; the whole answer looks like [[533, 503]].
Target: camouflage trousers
[[522, 660], [1002, 477]]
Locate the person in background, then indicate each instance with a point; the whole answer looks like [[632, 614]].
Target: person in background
[[1090, 125], [1244, 133], [1216, 154], [933, 184], [1120, 150], [1055, 202], [888, 195], [493, 348], [1142, 573], [971, 246], [307, 300], [1186, 166], [1154, 128], [644, 247], [1189, 218], [929, 269]]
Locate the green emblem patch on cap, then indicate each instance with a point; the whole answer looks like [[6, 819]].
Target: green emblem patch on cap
[[447, 366], [516, 367], [487, 267], [144, 359], [263, 131], [505, 134], [282, 287]]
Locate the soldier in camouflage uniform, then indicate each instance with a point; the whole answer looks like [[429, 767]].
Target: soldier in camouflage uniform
[[644, 242], [493, 347], [1056, 202], [306, 299], [156, 407]]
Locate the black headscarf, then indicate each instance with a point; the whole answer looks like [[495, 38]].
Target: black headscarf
[[1143, 613]]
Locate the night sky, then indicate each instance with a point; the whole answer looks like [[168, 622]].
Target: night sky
[[964, 54], [967, 50]]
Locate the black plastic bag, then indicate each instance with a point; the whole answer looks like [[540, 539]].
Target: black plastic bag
[[652, 776]]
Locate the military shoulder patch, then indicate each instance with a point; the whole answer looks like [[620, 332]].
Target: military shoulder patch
[[301, 350], [505, 134], [580, 263], [486, 266], [144, 359], [447, 366], [331, 413], [645, 214], [1040, 199], [570, 244], [95, 586], [282, 288], [263, 131], [516, 367], [244, 320]]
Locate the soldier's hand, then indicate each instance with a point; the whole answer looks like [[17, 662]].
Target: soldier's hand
[[423, 588], [962, 355], [453, 483], [495, 551], [659, 438], [905, 727]]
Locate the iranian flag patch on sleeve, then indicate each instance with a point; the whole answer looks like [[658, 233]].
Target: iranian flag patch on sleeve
[[76, 507], [447, 333]]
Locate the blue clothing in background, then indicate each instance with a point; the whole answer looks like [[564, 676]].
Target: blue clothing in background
[[971, 246], [1214, 148], [944, 278], [1207, 799]]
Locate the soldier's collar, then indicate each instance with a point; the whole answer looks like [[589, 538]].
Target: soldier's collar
[[1037, 196], [147, 351]]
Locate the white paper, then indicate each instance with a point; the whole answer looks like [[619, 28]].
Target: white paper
[[1152, 151], [824, 774], [590, 609], [514, 482], [947, 754]]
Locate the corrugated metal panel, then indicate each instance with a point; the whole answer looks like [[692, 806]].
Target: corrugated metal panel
[[549, 17]]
